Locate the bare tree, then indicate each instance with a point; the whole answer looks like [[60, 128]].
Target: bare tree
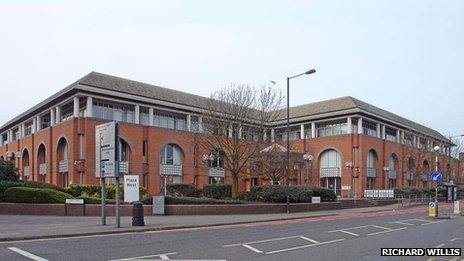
[[414, 162], [458, 148], [235, 121]]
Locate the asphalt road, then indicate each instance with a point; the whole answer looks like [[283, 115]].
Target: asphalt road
[[324, 238]]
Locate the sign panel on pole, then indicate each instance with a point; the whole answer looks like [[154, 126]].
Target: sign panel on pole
[[436, 177], [131, 188], [105, 150]]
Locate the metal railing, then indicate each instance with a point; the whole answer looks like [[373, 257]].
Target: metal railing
[[124, 167], [371, 172], [330, 172], [27, 171]]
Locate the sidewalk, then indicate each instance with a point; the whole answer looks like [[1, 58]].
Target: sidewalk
[[33, 227]]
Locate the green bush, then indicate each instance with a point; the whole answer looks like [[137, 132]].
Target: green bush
[[94, 200], [217, 191], [245, 196], [327, 195], [4, 185], [407, 191], [278, 194], [35, 195], [197, 201], [183, 190], [78, 190], [36, 184], [8, 171]]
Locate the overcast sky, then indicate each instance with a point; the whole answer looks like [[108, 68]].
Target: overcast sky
[[403, 56]]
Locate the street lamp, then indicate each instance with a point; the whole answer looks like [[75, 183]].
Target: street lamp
[[308, 158], [311, 71]]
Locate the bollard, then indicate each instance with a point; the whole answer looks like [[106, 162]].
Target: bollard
[[137, 214], [288, 204]]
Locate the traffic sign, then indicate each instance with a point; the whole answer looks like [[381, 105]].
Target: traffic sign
[[105, 150], [436, 177]]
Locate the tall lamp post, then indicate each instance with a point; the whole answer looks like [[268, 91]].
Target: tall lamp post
[[308, 158], [311, 71]]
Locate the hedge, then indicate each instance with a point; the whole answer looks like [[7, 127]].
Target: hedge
[[95, 191], [327, 195], [198, 201], [217, 191], [36, 184], [412, 191], [183, 190], [35, 195], [278, 194], [94, 200], [4, 185]]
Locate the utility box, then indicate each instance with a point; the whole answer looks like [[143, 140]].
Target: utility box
[[158, 205]]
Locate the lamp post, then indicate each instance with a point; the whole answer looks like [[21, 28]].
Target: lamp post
[[436, 149], [308, 158], [311, 71]]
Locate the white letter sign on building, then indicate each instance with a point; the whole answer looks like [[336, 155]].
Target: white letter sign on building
[[131, 188], [105, 150]]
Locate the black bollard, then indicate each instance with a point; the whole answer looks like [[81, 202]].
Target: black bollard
[[137, 214]]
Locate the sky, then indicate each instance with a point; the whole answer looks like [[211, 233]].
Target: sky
[[403, 56]]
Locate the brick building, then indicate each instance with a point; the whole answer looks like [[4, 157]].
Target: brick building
[[349, 145]]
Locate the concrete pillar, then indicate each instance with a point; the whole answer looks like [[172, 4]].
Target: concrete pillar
[[398, 136], [384, 134], [34, 125], [302, 130], [313, 130], [200, 124], [76, 107], [22, 129], [151, 119], [89, 106], [272, 135], [349, 125], [240, 132], [52, 117], [230, 135], [38, 123], [360, 125], [137, 114], [401, 137], [58, 114], [265, 135], [9, 136], [378, 130], [189, 122]]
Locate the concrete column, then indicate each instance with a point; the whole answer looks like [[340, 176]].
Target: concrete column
[[313, 130], [38, 123], [58, 114], [52, 117], [189, 122], [384, 134], [349, 125], [200, 124], [34, 125], [360, 125], [230, 135], [1, 140], [89, 106], [151, 119], [240, 132], [302, 130], [76, 107], [22, 129], [137, 114], [9, 136], [398, 136], [378, 130], [272, 135], [265, 135], [401, 137]]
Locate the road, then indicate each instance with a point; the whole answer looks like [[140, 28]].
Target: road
[[354, 237]]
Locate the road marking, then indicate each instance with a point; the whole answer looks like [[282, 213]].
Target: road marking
[[262, 241], [386, 228], [454, 239], [27, 254], [310, 240], [305, 246], [430, 223], [403, 223], [386, 231], [440, 245], [346, 232], [161, 256], [253, 249]]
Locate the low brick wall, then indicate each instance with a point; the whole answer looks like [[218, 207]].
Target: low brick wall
[[126, 210]]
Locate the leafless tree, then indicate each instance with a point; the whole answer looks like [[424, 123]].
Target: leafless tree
[[235, 120], [459, 146], [414, 162]]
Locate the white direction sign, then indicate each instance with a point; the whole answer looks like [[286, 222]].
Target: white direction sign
[[131, 188], [105, 150]]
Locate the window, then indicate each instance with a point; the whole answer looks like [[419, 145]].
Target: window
[[308, 132], [331, 128], [67, 111], [28, 128], [113, 111], [216, 159], [4, 139], [144, 116], [390, 134], [45, 121], [145, 151], [171, 154], [369, 128], [254, 182], [408, 139], [170, 120], [16, 134]]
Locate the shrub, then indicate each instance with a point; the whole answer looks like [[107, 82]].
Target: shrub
[[217, 191], [78, 190], [197, 201], [183, 190], [94, 200], [8, 171], [407, 191], [245, 196], [278, 194], [327, 195], [35, 195], [36, 184], [4, 185]]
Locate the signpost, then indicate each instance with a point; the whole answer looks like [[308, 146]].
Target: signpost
[[106, 163], [436, 178]]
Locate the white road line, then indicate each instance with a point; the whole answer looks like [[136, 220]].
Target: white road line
[[27, 254], [301, 247], [386, 228], [141, 257], [440, 245], [420, 220], [253, 249], [430, 223], [386, 231], [310, 240], [403, 223], [262, 241], [346, 232], [454, 239]]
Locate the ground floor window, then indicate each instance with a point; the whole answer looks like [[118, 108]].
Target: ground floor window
[[254, 182], [391, 183], [216, 180], [370, 183], [424, 184], [334, 183]]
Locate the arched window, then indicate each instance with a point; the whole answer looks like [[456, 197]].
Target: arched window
[[392, 165], [425, 173], [370, 169], [25, 164], [330, 170], [63, 164], [215, 161], [171, 158], [124, 154], [410, 172], [42, 169]]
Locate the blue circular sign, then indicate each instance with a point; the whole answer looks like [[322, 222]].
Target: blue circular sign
[[436, 176]]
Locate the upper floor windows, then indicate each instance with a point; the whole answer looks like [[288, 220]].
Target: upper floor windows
[[369, 128], [113, 111], [67, 111], [28, 128], [331, 128], [170, 120], [390, 134]]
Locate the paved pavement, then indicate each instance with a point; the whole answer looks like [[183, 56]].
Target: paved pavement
[[354, 235], [23, 227]]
